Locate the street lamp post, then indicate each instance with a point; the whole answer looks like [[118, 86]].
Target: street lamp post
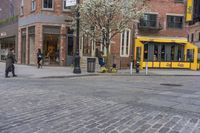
[[77, 69]]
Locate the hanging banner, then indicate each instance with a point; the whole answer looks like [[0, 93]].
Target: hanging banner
[[189, 10], [70, 3]]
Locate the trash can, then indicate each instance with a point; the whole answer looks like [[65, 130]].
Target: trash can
[[91, 64]]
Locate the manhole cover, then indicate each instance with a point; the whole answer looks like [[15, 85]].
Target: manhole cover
[[171, 84]]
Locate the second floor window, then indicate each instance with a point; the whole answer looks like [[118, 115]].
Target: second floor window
[[48, 4], [174, 21], [192, 37], [179, 1], [33, 5], [149, 20], [22, 7]]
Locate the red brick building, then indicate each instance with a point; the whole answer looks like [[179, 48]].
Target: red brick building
[[161, 41], [43, 24], [165, 18]]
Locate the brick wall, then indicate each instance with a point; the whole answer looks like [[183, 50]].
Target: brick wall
[[57, 8], [164, 7]]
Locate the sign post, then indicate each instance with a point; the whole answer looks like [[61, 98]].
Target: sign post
[[77, 68]]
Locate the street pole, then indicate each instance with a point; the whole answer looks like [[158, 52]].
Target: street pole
[[77, 69]]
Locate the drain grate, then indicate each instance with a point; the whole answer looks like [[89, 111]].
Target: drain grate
[[164, 84]]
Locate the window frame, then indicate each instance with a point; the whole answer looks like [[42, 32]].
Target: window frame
[[126, 41], [22, 8], [49, 9], [174, 21], [192, 37], [178, 1], [149, 21], [63, 7], [33, 5]]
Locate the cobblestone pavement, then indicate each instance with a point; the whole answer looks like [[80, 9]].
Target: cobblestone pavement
[[100, 105]]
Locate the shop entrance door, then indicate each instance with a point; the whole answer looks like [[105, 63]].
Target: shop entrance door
[[51, 49]]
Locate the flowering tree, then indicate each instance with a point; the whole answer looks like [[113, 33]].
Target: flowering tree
[[103, 19]]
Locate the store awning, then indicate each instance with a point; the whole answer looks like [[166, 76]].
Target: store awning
[[163, 39]]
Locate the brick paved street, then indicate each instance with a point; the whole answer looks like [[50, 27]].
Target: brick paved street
[[99, 104]]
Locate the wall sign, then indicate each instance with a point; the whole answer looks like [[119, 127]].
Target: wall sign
[[70, 3], [2, 34]]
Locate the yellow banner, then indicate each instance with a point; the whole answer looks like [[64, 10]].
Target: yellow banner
[[189, 10]]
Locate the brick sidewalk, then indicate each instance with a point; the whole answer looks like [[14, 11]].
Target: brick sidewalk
[[26, 71]]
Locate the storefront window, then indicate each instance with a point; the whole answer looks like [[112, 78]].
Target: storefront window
[[155, 57], [51, 49], [172, 52], [23, 46], [6, 44], [31, 32], [70, 42], [163, 53], [146, 52], [190, 55]]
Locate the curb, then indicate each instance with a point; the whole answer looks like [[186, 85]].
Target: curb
[[69, 76], [143, 74], [153, 75]]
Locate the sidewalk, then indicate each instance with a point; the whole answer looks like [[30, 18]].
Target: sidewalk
[[27, 71], [161, 72]]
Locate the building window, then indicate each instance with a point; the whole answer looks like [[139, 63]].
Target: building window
[[146, 52], [33, 5], [192, 37], [66, 7], [149, 20], [125, 43], [87, 45], [179, 1], [199, 36], [175, 21], [22, 8], [48, 4]]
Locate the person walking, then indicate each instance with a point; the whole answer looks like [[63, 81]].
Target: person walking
[[100, 58], [10, 60], [39, 58]]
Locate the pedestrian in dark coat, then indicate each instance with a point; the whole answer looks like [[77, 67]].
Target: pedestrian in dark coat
[[10, 60], [39, 58]]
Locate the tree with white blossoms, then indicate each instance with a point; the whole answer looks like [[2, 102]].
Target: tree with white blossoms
[[103, 19]]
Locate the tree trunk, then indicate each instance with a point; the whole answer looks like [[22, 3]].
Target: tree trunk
[[108, 59]]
